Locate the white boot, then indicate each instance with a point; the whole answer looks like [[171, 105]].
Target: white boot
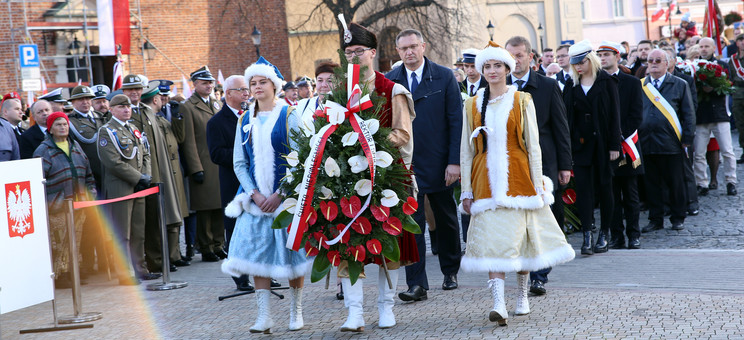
[[353, 298], [263, 322], [523, 285], [499, 313], [385, 296], [295, 310]]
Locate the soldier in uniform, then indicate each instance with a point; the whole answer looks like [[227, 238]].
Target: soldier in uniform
[[204, 182], [125, 159], [100, 102]]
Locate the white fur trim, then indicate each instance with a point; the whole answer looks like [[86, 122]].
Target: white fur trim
[[548, 259], [266, 71], [238, 267], [494, 53]]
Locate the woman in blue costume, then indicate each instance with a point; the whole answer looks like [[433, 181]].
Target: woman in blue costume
[[261, 139]]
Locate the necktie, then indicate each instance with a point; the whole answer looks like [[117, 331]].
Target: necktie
[[414, 82], [240, 113], [656, 83], [471, 90], [520, 83]]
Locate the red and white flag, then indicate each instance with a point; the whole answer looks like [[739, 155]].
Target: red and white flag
[[113, 26], [220, 78], [186, 87], [672, 7], [659, 12], [43, 85], [118, 76]]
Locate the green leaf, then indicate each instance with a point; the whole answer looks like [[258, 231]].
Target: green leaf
[[410, 225], [282, 220], [390, 248], [321, 267], [355, 268]]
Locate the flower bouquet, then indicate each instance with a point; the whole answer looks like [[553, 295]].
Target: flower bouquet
[[712, 75], [349, 196]]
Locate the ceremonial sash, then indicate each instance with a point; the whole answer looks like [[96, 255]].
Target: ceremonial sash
[[663, 105], [630, 149], [737, 66]]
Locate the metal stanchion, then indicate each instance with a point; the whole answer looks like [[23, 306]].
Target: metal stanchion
[[167, 284], [76, 299]]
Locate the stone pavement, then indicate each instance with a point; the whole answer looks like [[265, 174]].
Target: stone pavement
[[681, 285]]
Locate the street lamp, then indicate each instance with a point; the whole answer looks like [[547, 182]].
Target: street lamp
[[148, 50], [491, 29], [76, 48], [540, 33], [256, 36]]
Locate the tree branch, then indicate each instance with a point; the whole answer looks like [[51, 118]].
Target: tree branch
[[408, 4]]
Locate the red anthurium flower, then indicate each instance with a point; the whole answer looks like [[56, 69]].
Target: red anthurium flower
[[310, 217], [345, 238], [310, 250], [362, 226], [569, 196], [329, 210], [351, 206], [374, 246], [410, 206], [393, 226], [321, 239], [358, 253], [334, 257], [381, 213]]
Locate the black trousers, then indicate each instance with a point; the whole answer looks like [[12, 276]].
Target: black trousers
[[448, 238], [690, 184], [587, 179], [665, 170], [627, 204]]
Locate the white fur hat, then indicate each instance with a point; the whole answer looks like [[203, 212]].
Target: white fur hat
[[264, 68], [494, 52]]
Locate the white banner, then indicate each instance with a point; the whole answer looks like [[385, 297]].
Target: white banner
[[106, 42], [25, 261]]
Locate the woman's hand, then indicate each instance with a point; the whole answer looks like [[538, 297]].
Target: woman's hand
[[271, 203], [614, 155], [258, 198], [466, 204]]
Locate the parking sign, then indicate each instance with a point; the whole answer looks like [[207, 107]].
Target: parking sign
[[28, 55]]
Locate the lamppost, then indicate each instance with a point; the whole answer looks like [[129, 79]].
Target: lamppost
[[148, 51], [540, 33], [256, 36], [491, 29]]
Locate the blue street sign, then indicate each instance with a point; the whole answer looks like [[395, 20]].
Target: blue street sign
[[567, 42], [28, 55]]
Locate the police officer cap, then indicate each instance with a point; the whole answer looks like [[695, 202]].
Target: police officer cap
[[202, 74], [289, 85], [81, 91], [101, 91], [54, 96], [165, 87], [468, 56], [120, 99], [132, 81]]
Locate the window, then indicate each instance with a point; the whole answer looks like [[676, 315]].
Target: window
[[618, 8], [583, 11]]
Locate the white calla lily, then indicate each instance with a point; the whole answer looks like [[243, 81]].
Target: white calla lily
[[389, 198], [308, 126], [326, 193], [363, 187], [289, 176], [336, 113], [372, 125], [297, 188], [292, 159], [358, 164], [289, 205], [350, 138], [383, 159], [331, 168]]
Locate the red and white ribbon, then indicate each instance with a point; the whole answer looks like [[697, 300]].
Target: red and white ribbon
[[629, 147], [737, 66]]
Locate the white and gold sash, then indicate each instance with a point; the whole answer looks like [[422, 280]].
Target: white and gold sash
[[663, 105]]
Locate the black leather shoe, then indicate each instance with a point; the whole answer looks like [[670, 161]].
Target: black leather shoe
[[693, 212], [634, 243], [713, 185], [149, 276], [651, 226], [245, 286], [173, 268], [731, 189], [537, 287], [450, 282], [601, 245], [415, 293], [702, 191], [618, 243], [210, 257], [221, 254], [741, 159], [275, 283], [678, 226], [181, 263], [586, 248], [189, 252]]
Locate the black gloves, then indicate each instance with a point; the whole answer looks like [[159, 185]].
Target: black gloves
[[143, 183], [174, 109], [198, 177]]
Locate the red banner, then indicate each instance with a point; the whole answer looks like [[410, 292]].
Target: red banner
[[122, 33]]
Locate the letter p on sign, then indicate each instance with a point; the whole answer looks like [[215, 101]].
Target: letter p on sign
[[28, 55]]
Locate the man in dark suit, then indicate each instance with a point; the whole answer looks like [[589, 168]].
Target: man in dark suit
[[436, 156], [473, 81], [221, 141], [545, 61], [625, 179], [561, 57], [12, 112], [637, 60], [553, 126], [32, 138]]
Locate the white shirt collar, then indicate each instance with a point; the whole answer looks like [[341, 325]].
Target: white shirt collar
[[206, 100], [661, 79], [476, 84], [526, 77], [233, 110], [124, 124], [84, 114], [419, 73], [43, 129]]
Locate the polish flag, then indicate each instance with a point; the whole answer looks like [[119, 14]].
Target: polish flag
[[118, 76], [672, 7], [220, 78], [43, 85], [186, 88], [113, 26]]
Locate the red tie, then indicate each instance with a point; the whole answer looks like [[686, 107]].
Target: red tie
[[471, 89], [240, 113]]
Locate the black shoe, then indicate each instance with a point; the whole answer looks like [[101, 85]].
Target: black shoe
[[181, 263], [173, 268], [651, 226], [450, 282], [693, 212], [275, 283], [731, 189], [415, 293], [601, 245], [189, 252], [713, 185], [210, 257], [538, 287], [340, 294], [434, 243], [186, 258], [617, 243], [634, 243], [149, 276], [245, 286], [702, 191], [678, 226], [594, 227], [740, 160], [221, 254], [586, 248]]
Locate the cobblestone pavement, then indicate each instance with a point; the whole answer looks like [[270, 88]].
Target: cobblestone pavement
[[681, 285]]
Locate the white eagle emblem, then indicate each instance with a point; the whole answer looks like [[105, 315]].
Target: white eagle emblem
[[19, 210]]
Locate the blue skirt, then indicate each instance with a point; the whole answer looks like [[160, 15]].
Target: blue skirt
[[257, 249]]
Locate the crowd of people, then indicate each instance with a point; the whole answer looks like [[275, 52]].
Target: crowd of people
[[505, 129]]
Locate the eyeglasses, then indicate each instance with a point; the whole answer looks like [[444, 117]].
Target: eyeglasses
[[242, 89], [409, 47], [357, 53], [655, 61]]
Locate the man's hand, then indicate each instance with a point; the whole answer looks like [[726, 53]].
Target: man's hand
[[466, 204], [451, 174], [564, 176], [198, 177], [271, 203], [614, 155]]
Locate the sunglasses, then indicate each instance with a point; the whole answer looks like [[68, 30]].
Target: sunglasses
[[655, 61]]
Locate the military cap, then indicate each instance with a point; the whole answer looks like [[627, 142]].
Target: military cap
[[132, 81], [468, 56], [68, 106], [120, 99], [54, 96], [289, 85], [202, 74], [11, 95], [101, 91], [80, 92], [303, 83], [151, 90], [165, 87]]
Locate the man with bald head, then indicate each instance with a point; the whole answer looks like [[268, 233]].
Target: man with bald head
[[713, 117], [12, 111], [32, 138]]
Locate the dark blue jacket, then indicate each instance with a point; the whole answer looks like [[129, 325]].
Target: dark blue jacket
[[438, 124], [221, 141], [30, 140]]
